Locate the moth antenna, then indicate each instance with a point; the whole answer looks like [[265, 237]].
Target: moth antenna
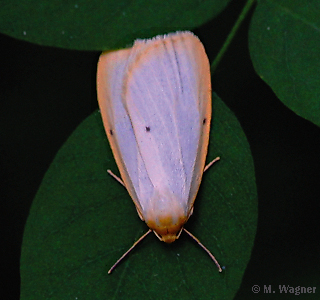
[[211, 163], [124, 255], [204, 248]]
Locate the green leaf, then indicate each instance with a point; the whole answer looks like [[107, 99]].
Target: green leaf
[[82, 221], [101, 25], [284, 47]]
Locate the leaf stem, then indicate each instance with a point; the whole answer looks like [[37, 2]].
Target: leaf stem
[[232, 33]]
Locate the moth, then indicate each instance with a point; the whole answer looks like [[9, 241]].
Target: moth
[[155, 103]]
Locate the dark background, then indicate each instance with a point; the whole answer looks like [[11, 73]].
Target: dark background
[[35, 122]]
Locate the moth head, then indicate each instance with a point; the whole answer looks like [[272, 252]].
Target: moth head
[[166, 229], [168, 238]]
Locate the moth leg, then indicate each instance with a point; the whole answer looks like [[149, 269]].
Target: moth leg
[[211, 163], [190, 213], [120, 181], [116, 177], [139, 213]]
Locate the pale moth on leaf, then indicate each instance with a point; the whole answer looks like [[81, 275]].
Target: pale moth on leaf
[[155, 102]]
